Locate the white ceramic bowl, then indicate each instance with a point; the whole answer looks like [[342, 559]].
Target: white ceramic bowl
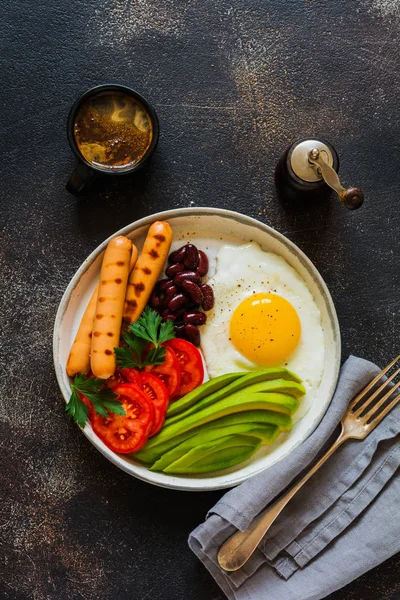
[[206, 227]]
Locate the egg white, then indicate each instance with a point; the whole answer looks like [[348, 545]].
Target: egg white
[[240, 272]]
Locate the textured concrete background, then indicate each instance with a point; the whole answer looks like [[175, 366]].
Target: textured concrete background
[[233, 84]]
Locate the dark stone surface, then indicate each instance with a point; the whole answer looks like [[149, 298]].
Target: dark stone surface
[[233, 85]]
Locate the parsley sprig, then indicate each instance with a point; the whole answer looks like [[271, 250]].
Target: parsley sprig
[[148, 329], [103, 400]]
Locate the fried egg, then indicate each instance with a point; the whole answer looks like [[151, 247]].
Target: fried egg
[[264, 315]]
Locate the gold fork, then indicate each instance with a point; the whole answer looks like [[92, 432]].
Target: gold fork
[[358, 421]]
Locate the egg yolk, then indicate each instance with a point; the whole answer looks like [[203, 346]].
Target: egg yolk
[[265, 328]]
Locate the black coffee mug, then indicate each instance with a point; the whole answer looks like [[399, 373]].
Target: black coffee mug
[[85, 172]]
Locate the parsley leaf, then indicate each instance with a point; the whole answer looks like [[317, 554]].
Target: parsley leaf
[[125, 358], [148, 329], [167, 331], [102, 400], [147, 325], [77, 410], [136, 345], [156, 356]]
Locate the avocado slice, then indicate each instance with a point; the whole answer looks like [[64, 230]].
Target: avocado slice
[[266, 433], [238, 402], [221, 386], [215, 456], [154, 450], [205, 389], [270, 385]]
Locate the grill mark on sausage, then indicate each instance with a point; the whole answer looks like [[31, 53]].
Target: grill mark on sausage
[[102, 299], [120, 263], [108, 352], [154, 254], [99, 316], [132, 303], [139, 287], [160, 237], [110, 334], [118, 280], [96, 333], [146, 270]]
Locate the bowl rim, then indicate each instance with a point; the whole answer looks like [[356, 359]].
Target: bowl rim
[[147, 221]]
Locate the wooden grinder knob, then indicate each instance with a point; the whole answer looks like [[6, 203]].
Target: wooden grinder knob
[[352, 198]]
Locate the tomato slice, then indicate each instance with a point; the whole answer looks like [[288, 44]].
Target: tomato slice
[[169, 372], [157, 391], [132, 375], [190, 363], [153, 387], [129, 433]]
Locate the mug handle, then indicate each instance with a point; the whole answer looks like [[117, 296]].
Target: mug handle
[[80, 178]]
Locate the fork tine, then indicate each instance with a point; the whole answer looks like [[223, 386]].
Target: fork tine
[[385, 411], [380, 389], [380, 403], [363, 392]]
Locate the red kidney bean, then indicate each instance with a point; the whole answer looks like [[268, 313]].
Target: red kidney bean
[[192, 334], [193, 290], [177, 256], [169, 286], [186, 275], [192, 307], [180, 313], [166, 314], [176, 302], [170, 292], [172, 270], [197, 318], [180, 330], [202, 267], [155, 300], [191, 259], [163, 284], [208, 297]]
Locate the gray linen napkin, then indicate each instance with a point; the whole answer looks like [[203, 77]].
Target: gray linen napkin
[[341, 524]]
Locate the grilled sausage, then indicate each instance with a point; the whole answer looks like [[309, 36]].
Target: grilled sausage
[[79, 356], [109, 308], [147, 269]]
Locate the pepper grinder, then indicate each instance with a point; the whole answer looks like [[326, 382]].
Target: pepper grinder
[[307, 168]]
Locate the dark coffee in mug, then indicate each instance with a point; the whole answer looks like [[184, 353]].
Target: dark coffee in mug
[[112, 130]]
